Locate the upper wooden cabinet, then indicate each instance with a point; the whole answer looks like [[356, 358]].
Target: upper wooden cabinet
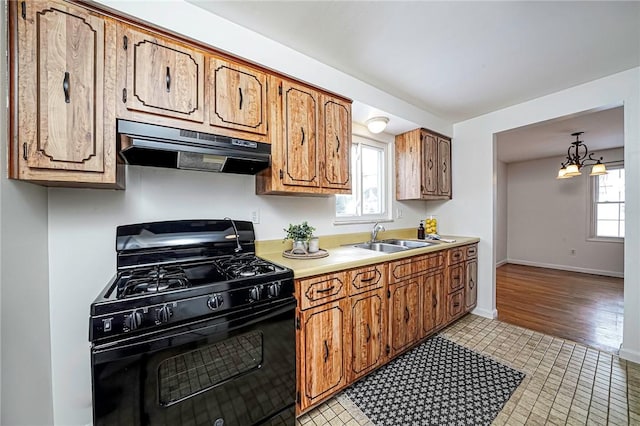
[[239, 96], [335, 143], [312, 146], [63, 127], [423, 166], [160, 76]]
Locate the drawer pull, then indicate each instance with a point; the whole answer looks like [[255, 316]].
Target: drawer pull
[[368, 333], [367, 280], [326, 290], [326, 351], [240, 93], [168, 79], [457, 304]]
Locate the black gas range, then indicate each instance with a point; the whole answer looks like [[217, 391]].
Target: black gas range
[[192, 318]]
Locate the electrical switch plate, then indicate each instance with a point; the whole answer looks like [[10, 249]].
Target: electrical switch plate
[[398, 213], [255, 216]]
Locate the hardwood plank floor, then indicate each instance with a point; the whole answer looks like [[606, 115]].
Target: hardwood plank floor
[[581, 307]]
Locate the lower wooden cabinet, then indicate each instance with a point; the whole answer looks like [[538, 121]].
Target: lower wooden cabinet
[[321, 346], [403, 314], [366, 348], [433, 309], [351, 322]]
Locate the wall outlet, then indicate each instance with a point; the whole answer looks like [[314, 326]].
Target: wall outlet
[[255, 216], [572, 252]]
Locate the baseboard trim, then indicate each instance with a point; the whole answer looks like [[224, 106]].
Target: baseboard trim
[[629, 355], [502, 262], [486, 313], [567, 268]]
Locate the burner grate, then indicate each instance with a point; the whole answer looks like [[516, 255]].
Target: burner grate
[[246, 266], [153, 280]]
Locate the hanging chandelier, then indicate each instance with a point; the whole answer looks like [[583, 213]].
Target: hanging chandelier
[[578, 156]]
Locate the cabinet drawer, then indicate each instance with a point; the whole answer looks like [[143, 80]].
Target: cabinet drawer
[[320, 290], [455, 278], [435, 261], [455, 304], [407, 267], [472, 252], [456, 255], [364, 279]]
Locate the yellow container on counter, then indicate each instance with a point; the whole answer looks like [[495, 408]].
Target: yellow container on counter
[[431, 224]]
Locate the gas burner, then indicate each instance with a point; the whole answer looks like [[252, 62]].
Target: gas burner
[[246, 266], [153, 280]]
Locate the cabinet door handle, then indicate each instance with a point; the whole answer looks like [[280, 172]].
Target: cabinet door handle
[[434, 301], [302, 141], [326, 290], [444, 167], [430, 164], [407, 315], [65, 87], [168, 80], [455, 305], [240, 92], [338, 142], [368, 333], [471, 284], [326, 351]]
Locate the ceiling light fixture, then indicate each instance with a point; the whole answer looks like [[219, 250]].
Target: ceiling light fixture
[[578, 156], [377, 124]]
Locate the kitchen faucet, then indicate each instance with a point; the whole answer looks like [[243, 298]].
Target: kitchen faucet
[[374, 232]]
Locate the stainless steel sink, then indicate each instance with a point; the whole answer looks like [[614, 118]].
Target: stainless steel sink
[[383, 247], [394, 245], [408, 243]]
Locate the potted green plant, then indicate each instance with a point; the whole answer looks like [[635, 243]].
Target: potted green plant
[[300, 235]]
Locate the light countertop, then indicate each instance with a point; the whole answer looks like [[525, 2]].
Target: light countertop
[[342, 255]]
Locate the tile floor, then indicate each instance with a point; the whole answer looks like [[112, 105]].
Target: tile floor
[[566, 382]]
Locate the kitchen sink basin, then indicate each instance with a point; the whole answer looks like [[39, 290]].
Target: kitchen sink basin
[[393, 246], [408, 243], [383, 247]]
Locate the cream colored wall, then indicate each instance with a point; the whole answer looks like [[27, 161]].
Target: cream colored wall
[[549, 217]]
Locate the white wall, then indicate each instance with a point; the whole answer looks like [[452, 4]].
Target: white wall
[[549, 217], [25, 362], [501, 213], [472, 210]]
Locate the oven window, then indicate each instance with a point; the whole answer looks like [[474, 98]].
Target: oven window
[[191, 373]]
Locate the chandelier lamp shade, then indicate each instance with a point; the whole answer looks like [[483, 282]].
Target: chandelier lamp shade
[[578, 156]]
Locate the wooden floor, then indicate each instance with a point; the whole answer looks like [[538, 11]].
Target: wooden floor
[[581, 307]]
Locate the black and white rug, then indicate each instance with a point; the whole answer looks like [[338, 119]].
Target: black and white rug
[[436, 383]]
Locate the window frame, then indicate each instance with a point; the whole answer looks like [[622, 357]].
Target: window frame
[[592, 199], [356, 179]]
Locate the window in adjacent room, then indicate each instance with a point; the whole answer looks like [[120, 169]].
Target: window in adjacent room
[[369, 200], [608, 204]]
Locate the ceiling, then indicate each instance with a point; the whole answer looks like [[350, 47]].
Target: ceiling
[[456, 60], [602, 130]]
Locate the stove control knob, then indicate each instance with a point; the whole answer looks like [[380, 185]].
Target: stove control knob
[[274, 290], [164, 314], [215, 301], [134, 320], [255, 293]]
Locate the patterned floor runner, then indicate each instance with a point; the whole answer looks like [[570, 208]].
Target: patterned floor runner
[[436, 383]]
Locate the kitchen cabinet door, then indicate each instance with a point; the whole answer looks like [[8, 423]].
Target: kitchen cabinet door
[[429, 164], [367, 333], [335, 144], [403, 314], [321, 357], [162, 77], [64, 124], [239, 97], [300, 108], [444, 168], [432, 310], [471, 290]]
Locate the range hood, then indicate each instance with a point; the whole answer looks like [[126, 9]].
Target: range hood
[[158, 146]]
